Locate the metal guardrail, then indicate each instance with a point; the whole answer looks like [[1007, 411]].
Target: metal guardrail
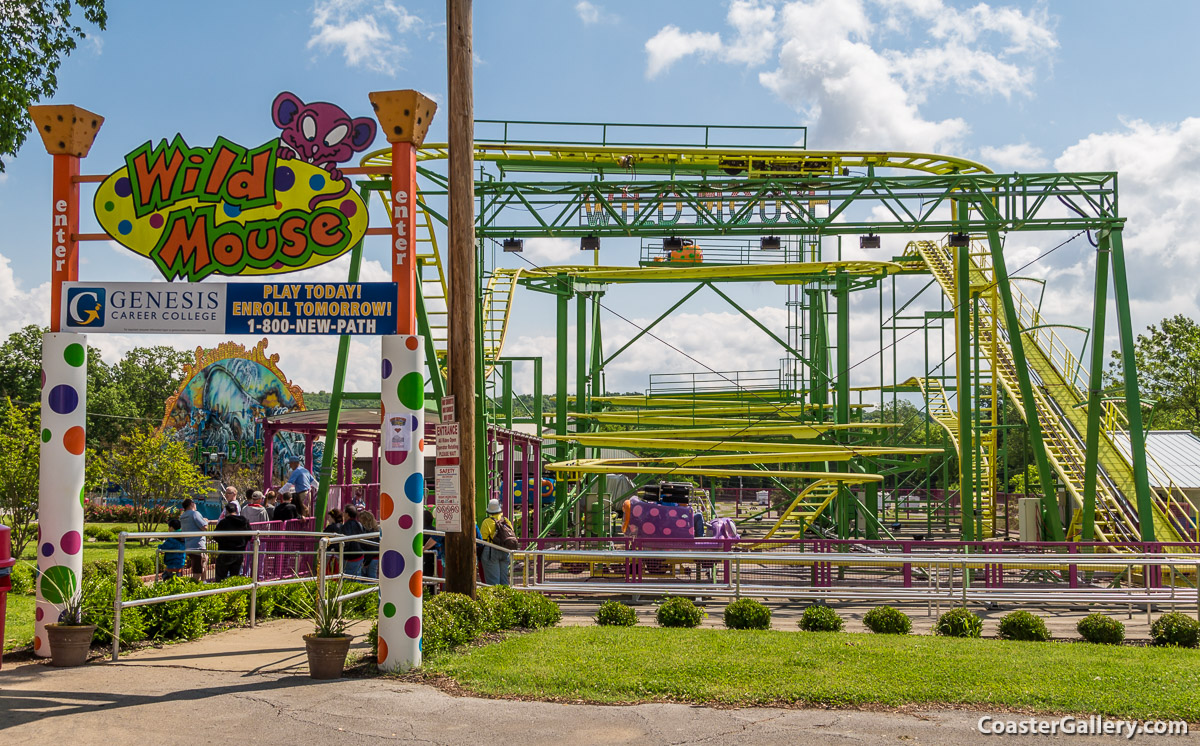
[[782, 575]]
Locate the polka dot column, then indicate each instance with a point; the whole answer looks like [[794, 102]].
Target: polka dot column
[[60, 496], [401, 502]]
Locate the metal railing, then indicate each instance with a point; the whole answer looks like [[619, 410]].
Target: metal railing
[[325, 547], [1050, 579]]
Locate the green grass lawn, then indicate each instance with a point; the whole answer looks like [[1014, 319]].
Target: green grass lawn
[[18, 622], [615, 665]]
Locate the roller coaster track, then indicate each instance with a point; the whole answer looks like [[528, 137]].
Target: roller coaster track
[[1055, 371]]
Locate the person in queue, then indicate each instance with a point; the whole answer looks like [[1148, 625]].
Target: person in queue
[[191, 520], [301, 479], [270, 500], [286, 509], [353, 551], [370, 553], [231, 564], [498, 531], [255, 511], [174, 552]]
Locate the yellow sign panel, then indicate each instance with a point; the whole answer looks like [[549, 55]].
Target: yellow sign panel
[[228, 210]]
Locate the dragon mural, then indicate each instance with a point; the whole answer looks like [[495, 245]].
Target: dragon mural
[[224, 397]]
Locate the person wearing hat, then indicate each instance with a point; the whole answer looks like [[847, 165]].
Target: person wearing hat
[[300, 478], [498, 532]]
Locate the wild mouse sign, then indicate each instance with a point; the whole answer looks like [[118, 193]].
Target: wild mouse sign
[[226, 209]]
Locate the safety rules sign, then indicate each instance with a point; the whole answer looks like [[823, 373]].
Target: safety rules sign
[[448, 509]]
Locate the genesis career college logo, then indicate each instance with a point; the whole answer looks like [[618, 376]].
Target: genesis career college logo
[[85, 307]]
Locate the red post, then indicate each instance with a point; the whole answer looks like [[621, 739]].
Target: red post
[[64, 228], [404, 245]]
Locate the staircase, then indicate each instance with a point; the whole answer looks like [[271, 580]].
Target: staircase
[[1116, 519], [804, 510]]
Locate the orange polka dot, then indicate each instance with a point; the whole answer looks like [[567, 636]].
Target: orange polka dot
[[37, 643], [382, 656], [421, 444], [74, 440], [386, 506], [414, 584], [411, 343]]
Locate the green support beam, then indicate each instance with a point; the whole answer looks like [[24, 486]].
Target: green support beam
[[1095, 401]]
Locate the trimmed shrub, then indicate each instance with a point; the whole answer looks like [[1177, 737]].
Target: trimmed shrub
[[99, 533], [1175, 629], [884, 620], [1022, 625], [820, 618], [182, 619], [615, 614], [22, 579], [1101, 629], [960, 622], [144, 564], [534, 611], [679, 612], [746, 613], [500, 607]]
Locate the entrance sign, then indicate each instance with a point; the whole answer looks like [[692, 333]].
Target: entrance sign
[[448, 510], [228, 210], [235, 308]]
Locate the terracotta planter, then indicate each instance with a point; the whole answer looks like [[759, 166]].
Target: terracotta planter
[[69, 644], [327, 655]]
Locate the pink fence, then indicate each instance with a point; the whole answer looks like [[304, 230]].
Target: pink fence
[[286, 556]]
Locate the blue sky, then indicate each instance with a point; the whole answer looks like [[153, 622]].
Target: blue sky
[[1098, 85]]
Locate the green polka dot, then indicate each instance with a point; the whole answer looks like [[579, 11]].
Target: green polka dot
[[108, 206], [82, 496], [389, 610], [74, 355], [418, 544], [58, 584], [46, 435], [411, 391]]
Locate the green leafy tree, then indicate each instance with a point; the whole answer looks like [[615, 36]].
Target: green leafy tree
[[150, 376], [19, 445], [35, 36], [1168, 365], [155, 471]]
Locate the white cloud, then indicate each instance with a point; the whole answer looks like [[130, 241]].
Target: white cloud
[[591, 14], [552, 251], [1016, 157], [364, 31], [1159, 183], [20, 307], [835, 66]]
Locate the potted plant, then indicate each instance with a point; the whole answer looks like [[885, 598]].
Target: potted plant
[[328, 645], [69, 638]]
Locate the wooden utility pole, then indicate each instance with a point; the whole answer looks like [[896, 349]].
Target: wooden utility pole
[[461, 296]]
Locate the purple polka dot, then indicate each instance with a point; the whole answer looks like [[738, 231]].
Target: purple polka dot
[[387, 367], [39, 614], [285, 179], [122, 187], [47, 549], [63, 399], [348, 208], [395, 458], [71, 542], [156, 220], [406, 521], [43, 385], [412, 627], [392, 564]]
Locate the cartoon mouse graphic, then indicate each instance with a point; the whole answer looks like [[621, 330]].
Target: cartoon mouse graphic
[[322, 134]]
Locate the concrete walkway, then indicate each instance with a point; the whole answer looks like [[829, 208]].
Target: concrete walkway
[[250, 686]]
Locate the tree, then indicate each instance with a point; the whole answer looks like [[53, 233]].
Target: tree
[[155, 471], [19, 446], [1168, 365], [35, 36], [150, 376]]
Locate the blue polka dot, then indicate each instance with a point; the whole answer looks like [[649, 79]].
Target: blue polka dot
[[285, 179], [387, 368], [63, 399], [124, 227], [47, 549], [232, 210], [316, 181], [414, 487]]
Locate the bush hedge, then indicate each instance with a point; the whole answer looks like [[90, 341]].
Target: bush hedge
[[885, 620], [124, 513], [678, 611], [746, 613], [820, 618], [1101, 629], [1024, 626], [616, 614], [453, 619], [960, 622], [1176, 629]]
